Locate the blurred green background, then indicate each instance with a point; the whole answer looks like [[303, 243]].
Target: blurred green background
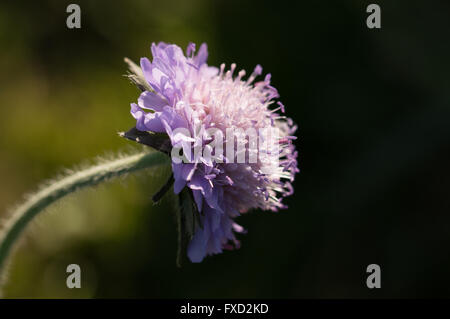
[[373, 108]]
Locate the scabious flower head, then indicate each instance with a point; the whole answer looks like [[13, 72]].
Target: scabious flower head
[[185, 94]]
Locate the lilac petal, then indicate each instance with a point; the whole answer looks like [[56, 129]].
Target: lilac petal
[[153, 123], [199, 182], [213, 199], [180, 182], [174, 54], [172, 119], [139, 115], [152, 73], [146, 67], [187, 171], [196, 250], [202, 55], [146, 121], [178, 185], [182, 172], [215, 243], [214, 218], [152, 101], [158, 48]]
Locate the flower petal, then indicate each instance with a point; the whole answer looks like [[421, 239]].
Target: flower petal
[[151, 101]]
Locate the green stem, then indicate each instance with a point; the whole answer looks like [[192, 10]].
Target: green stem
[[94, 175]]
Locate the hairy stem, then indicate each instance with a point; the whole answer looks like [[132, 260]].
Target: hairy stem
[[94, 175]]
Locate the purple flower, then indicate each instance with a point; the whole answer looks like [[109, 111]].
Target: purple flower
[[185, 93]]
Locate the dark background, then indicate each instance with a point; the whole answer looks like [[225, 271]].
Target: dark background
[[373, 109]]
